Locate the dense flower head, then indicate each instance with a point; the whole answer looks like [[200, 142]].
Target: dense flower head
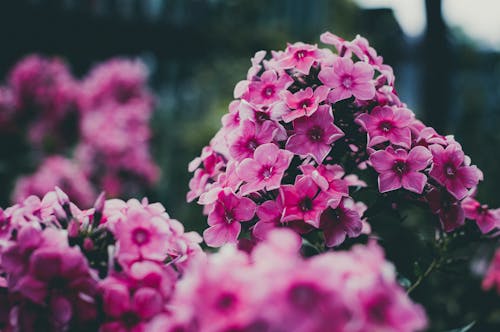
[[360, 292], [45, 93], [111, 267], [309, 127], [56, 171]]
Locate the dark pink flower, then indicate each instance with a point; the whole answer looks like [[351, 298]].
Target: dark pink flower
[[340, 222], [492, 277], [314, 135], [265, 169], [387, 124], [329, 179], [449, 170], [303, 102], [266, 90], [269, 214], [225, 218], [250, 135], [302, 202], [348, 79], [447, 207], [398, 168], [486, 219]]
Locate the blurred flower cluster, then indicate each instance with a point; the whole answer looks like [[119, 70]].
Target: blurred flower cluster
[[85, 134], [308, 130], [127, 266], [112, 267]]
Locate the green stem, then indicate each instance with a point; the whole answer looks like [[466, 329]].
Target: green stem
[[431, 267]]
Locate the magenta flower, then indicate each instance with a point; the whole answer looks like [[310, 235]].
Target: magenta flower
[[340, 222], [302, 202], [269, 214], [486, 219], [300, 56], [329, 180], [265, 170], [266, 90], [348, 79], [398, 168], [447, 207], [142, 236], [244, 141], [225, 217], [314, 135], [450, 170], [388, 124], [303, 102], [492, 277]]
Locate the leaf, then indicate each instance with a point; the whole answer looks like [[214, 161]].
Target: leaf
[[465, 328]]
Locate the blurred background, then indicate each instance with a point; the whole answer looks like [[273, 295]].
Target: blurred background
[[445, 54]]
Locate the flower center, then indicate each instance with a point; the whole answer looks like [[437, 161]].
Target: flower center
[[400, 167], [299, 55], [267, 172], [347, 81], [385, 126], [304, 296], [268, 91], [450, 171], [261, 116], [229, 216], [140, 236], [306, 204], [252, 144], [305, 103], [225, 301], [315, 134]]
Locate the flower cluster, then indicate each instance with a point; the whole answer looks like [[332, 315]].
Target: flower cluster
[[353, 290], [306, 126], [112, 267], [106, 116]]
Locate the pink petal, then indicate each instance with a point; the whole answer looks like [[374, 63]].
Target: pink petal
[[338, 93], [266, 154], [414, 181], [217, 235], [418, 158], [382, 161], [248, 170], [388, 181], [364, 91], [245, 210]]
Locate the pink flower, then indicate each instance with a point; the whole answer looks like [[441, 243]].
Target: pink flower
[[388, 124], [250, 135], [300, 56], [450, 170], [142, 236], [314, 135], [265, 169], [348, 79], [340, 222], [269, 214], [492, 278], [303, 102], [447, 207], [329, 180], [266, 90], [302, 202], [398, 168], [225, 218], [486, 219]]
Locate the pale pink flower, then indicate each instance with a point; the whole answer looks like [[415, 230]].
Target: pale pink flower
[[387, 124], [269, 214], [303, 102], [449, 169], [486, 219], [314, 135], [265, 170], [225, 218], [300, 57], [348, 79], [398, 168]]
